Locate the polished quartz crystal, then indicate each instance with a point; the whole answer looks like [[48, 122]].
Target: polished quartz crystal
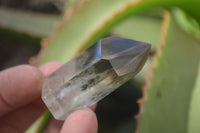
[[93, 74]]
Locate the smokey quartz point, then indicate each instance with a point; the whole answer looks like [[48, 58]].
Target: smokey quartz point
[[93, 74]]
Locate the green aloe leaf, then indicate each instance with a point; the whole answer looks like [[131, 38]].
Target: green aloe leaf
[[32, 24], [187, 23], [194, 115], [171, 103], [72, 3], [134, 28], [95, 19]]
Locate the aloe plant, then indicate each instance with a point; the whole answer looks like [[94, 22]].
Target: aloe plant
[[172, 87]]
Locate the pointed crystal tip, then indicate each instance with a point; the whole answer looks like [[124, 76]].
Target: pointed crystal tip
[[93, 74], [125, 55]]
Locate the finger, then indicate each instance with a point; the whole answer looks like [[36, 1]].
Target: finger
[[19, 86], [80, 121], [50, 67], [55, 126], [20, 119]]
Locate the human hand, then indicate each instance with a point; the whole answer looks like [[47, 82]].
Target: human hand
[[21, 105]]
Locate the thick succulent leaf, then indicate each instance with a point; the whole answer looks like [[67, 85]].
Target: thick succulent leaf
[[171, 93], [72, 3], [134, 28], [187, 22], [94, 19], [194, 115], [36, 25], [72, 6]]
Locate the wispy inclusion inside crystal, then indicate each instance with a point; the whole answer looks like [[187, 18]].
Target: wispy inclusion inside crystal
[[93, 74]]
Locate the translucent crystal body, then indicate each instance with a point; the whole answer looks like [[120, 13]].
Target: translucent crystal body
[[93, 74]]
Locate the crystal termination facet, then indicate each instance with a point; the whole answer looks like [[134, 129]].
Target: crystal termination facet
[[93, 74]]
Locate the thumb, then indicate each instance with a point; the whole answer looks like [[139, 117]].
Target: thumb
[[80, 121]]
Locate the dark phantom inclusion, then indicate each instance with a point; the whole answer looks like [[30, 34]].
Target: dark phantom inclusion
[[93, 74]]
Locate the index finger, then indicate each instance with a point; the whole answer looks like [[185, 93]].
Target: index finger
[[19, 86]]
